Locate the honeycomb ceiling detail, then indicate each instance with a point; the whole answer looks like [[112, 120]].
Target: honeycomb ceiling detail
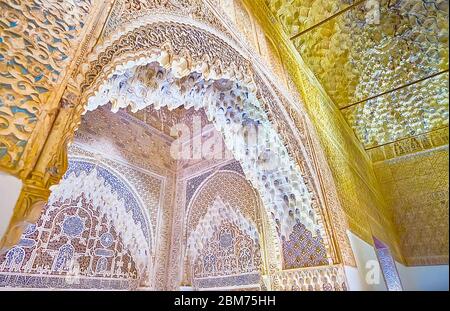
[[384, 63], [410, 111]]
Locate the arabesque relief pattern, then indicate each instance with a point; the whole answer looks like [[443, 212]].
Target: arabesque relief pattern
[[353, 176], [91, 235], [416, 188], [37, 40]]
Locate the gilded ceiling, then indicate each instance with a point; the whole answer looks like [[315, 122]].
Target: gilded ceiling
[[383, 62]]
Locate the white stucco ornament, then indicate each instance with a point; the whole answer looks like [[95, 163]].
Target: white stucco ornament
[[237, 114]]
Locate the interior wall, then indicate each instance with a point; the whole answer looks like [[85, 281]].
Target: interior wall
[[416, 189], [424, 278], [359, 192], [417, 278], [366, 276], [10, 188]]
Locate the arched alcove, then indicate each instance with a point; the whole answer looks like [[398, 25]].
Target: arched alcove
[[93, 234], [223, 251]]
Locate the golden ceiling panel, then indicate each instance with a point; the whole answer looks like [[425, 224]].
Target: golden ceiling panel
[[377, 60], [409, 111], [356, 56], [299, 15]]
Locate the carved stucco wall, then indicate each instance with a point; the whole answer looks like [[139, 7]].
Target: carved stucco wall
[[416, 189], [360, 194], [38, 39], [384, 64], [197, 189], [179, 96], [142, 154], [122, 140], [358, 189], [248, 31]]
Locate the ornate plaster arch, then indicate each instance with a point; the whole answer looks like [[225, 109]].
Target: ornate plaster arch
[[214, 56], [96, 182], [139, 210], [227, 72], [243, 199], [217, 212], [218, 227], [238, 192]]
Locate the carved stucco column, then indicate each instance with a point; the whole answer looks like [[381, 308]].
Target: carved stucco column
[[44, 160], [48, 171]]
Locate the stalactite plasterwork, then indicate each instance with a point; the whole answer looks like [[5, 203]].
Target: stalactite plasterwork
[[237, 114], [224, 244], [168, 61], [86, 238], [329, 278]]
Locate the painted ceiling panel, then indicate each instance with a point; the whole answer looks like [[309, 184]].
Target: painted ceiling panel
[[374, 55], [356, 58], [410, 111]]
